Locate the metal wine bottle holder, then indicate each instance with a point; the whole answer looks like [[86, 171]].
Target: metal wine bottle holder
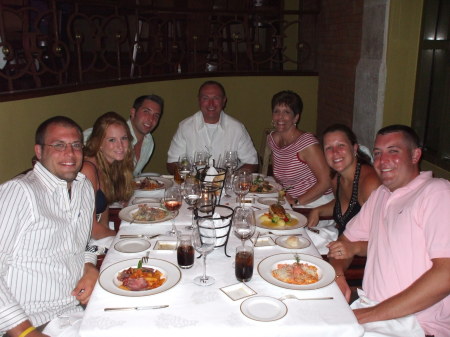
[[222, 216]]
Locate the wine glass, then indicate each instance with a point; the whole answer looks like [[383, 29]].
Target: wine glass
[[204, 240], [228, 183], [200, 158], [230, 159], [241, 184], [185, 165], [172, 202], [191, 192], [244, 225]]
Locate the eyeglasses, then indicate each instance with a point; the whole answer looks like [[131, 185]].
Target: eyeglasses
[[61, 147]]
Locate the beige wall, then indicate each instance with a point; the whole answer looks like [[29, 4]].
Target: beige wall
[[248, 100], [405, 19]]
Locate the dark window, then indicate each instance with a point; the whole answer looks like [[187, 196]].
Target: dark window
[[431, 118]]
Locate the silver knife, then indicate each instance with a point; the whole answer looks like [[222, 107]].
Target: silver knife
[[132, 236], [138, 308]]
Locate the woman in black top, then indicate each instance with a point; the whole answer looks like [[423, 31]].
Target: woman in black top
[[108, 164], [353, 177]]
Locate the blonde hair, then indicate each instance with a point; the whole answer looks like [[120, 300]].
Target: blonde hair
[[116, 178]]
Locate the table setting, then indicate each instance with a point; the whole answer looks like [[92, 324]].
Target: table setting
[[236, 301]]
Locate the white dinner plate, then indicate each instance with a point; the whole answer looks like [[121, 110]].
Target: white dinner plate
[[108, 277], [127, 213], [270, 201], [299, 217], [263, 308], [149, 174], [325, 270], [132, 245], [302, 242], [165, 183]]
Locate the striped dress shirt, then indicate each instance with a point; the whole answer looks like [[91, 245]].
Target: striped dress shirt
[[288, 169], [43, 236]]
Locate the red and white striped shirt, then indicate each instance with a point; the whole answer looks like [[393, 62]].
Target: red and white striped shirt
[[288, 169]]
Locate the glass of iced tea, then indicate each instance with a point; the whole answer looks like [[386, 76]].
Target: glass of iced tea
[[185, 251], [243, 263]]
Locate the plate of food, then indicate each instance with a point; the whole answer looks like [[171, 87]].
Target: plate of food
[[292, 242], [296, 271], [276, 217], [132, 278], [261, 186], [147, 186], [145, 213]]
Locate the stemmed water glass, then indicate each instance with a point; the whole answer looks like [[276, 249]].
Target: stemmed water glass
[[241, 184], [230, 159], [244, 225], [185, 165], [204, 240], [201, 159], [191, 191], [172, 202]]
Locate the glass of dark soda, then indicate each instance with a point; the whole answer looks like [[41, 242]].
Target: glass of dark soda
[[244, 263], [185, 251]]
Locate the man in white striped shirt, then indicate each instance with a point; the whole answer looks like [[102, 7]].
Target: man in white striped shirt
[[45, 225]]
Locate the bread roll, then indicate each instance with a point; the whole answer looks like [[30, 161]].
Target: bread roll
[[293, 241]]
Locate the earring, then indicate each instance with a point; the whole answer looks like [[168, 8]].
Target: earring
[[273, 123]]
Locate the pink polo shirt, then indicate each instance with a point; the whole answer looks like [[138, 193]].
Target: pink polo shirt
[[407, 228]]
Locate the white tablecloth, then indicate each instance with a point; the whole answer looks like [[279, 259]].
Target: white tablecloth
[[195, 310]]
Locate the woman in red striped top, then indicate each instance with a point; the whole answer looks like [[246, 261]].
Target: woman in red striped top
[[298, 159]]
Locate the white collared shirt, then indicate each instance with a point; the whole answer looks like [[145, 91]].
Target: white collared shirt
[[192, 135], [43, 236]]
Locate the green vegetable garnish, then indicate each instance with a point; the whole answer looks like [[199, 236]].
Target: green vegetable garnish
[[297, 258], [139, 264]]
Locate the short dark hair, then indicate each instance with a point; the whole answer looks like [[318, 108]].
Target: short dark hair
[[360, 155], [152, 97], [289, 98], [212, 83], [60, 120], [409, 134]]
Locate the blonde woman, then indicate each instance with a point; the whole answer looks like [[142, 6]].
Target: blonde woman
[[108, 164]]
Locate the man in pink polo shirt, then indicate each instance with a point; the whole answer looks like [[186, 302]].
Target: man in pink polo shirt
[[406, 223]]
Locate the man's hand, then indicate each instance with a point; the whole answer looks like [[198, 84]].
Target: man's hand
[[86, 284]]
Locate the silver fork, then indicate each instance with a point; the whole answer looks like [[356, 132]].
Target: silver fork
[[145, 258], [293, 297]]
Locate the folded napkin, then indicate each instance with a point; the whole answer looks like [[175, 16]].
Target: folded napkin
[[210, 174], [65, 326], [221, 228], [400, 327], [327, 233]]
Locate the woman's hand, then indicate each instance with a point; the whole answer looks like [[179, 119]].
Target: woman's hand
[[340, 250], [313, 218]]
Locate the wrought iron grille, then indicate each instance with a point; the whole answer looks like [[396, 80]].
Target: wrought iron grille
[[62, 43]]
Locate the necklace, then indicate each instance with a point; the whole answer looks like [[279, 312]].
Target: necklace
[[290, 139]]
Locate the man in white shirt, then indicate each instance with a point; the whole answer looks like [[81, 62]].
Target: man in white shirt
[[45, 225], [144, 117], [212, 130]]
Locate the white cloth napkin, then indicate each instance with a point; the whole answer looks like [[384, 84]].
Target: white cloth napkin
[[327, 228], [400, 327], [210, 174], [218, 223], [65, 326]]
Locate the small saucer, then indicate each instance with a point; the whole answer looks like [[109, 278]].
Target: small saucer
[[238, 291], [165, 245], [132, 245], [269, 201], [265, 241], [263, 308], [283, 242]]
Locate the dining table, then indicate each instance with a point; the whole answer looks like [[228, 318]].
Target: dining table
[[220, 309]]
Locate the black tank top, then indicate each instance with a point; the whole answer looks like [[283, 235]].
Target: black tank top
[[353, 207]]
